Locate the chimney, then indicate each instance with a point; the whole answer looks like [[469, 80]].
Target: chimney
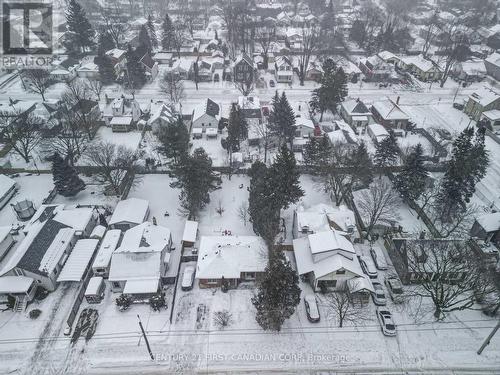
[[397, 100]]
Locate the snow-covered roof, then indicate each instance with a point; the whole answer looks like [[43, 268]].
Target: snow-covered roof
[[140, 286], [485, 96], [4, 232], [359, 284], [324, 266], [116, 53], [56, 249], [208, 107], [121, 120], [77, 218], [317, 218], [229, 256], [6, 183], [78, 261], [108, 246], [304, 121], [190, 231], [386, 55], [419, 62], [132, 210], [15, 284], [135, 266], [145, 237], [98, 232], [329, 240], [490, 222], [492, 115], [494, 59], [164, 112], [389, 110], [94, 285], [378, 130], [355, 107]]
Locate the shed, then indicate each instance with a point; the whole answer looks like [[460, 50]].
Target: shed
[[129, 213], [95, 290], [212, 132], [98, 232], [360, 289], [197, 133], [7, 189], [78, 261], [190, 233], [109, 243]]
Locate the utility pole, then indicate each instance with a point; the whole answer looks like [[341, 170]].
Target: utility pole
[[145, 338], [488, 339]]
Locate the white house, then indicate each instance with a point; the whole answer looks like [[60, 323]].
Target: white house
[[78, 264], [356, 114], [141, 261], [230, 259], [121, 112], [206, 115], [283, 69], [8, 188], [109, 243], [129, 213], [304, 127], [326, 259], [162, 116]]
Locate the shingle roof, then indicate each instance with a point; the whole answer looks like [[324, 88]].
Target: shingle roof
[[212, 108]]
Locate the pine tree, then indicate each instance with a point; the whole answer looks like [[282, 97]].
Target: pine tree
[[174, 139], [386, 151], [107, 71], [411, 180], [237, 130], [466, 168], [168, 34], [318, 154], [195, 177], [152, 32], [105, 43], [66, 180], [278, 294], [145, 44], [361, 165], [285, 176], [282, 119], [135, 70], [79, 25]]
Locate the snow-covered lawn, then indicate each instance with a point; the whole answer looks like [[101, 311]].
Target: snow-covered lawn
[[130, 139], [92, 195], [213, 148]]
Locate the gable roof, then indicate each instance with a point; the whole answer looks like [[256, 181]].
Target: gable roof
[[389, 110], [148, 61], [132, 210], [78, 261], [489, 222], [355, 107]]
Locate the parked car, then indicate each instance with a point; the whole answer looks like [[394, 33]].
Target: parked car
[[379, 295], [386, 323], [271, 83], [368, 266], [394, 288], [188, 278], [458, 106], [378, 258], [312, 310]]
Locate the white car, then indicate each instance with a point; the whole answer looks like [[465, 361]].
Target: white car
[[378, 258], [379, 295], [312, 310], [188, 278], [395, 289], [386, 323], [368, 267]]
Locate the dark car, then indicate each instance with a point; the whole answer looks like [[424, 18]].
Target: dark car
[[271, 83], [458, 106]]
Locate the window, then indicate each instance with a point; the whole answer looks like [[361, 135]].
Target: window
[[249, 275], [327, 283], [116, 284], [212, 281], [340, 272]]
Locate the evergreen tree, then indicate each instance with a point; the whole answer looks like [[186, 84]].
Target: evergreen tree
[[145, 44], [174, 139], [107, 71], [195, 177], [386, 151], [66, 180], [152, 32], [466, 168], [79, 25], [237, 130], [285, 176], [282, 119], [168, 34], [361, 165], [135, 70], [318, 154], [105, 43], [411, 180], [278, 294]]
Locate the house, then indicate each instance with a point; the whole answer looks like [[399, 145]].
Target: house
[[470, 71], [129, 213], [484, 99], [14, 109], [321, 218], [150, 66], [304, 127], [244, 69], [360, 290], [161, 118], [283, 69], [326, 259], [389, 114], [21, 288], [377, 133], [350, 69], [424, 70], [78, 263], [95, 290], [205, 70], [139, 265], [492, 118], [88, 70], [206, 115], [376, 70], [120, 113], [180, 68], [356, 114], [163, 58], [8, 187], [190, 233], [252, 113], [108, 245], [314, 71], [487, 228], [492, 65], [49, 239], [118, 58], [388, 57], [230, 260], [6, 241]]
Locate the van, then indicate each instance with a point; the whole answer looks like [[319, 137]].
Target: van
[[378, 258]]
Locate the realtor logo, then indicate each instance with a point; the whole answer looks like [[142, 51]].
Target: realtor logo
[[27, 28]]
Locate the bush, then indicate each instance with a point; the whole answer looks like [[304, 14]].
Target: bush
[[41, 294], [124, 301], [35, 313], [157, 302], [223, 319]]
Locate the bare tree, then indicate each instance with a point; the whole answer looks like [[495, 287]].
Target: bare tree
[[243, 213], [265, 37], [172, 85], [112, 163], [458, 225], [245, 87], [431, 30], [36, 80], [342, 310], [21, 132], [95, 86], [179, 37], [116, 30], [309, 47], [265, 135], [223, 319], [378, 204], [447, 272]]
